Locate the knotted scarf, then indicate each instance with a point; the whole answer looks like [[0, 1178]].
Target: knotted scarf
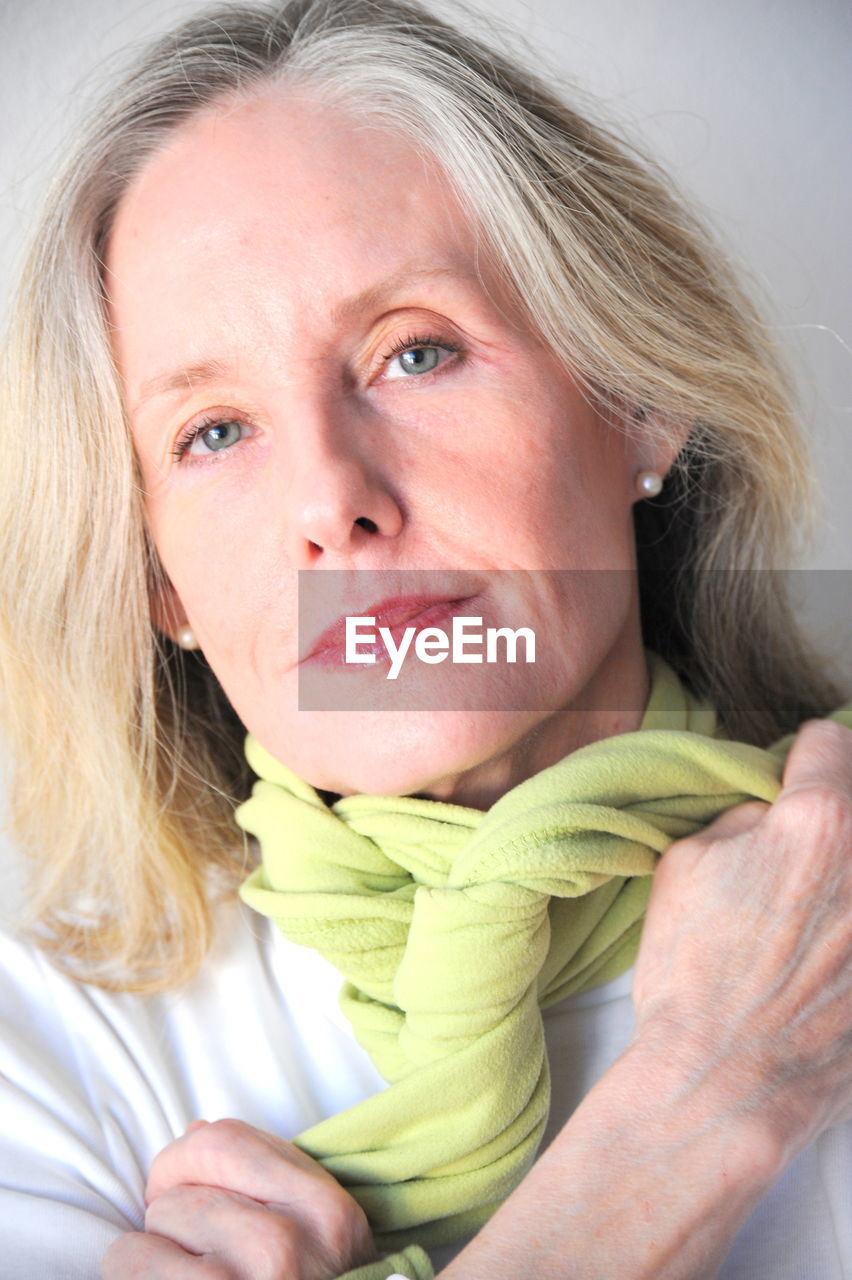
[[454, 927]]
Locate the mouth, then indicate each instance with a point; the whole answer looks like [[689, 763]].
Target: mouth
[[396, 616]]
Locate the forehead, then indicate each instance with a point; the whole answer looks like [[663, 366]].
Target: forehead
[[278, 205]]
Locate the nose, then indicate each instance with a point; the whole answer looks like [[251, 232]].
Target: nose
[[339, 495]]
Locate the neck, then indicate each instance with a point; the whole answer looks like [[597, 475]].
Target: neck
[[612, 702]]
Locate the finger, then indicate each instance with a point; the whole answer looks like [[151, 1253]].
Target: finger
[[254, 1241], [821, 755], [139, 1256], [234, 1156], [195, 1124], [816, 796], [733, 822], [231, 1154]]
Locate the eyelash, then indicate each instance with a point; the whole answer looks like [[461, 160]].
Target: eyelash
[[412, 342], [191, 434]]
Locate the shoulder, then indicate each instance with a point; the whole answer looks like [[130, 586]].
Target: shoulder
[[62, 1197], [257, 1034], [93, 1084], [91, 1036]]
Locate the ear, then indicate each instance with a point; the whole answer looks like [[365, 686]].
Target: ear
[[656, 439], [167, 612]]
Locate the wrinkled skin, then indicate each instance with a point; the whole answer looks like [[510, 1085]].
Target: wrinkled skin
[[743, 988]]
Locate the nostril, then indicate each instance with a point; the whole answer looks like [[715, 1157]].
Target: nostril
[[368, 524]]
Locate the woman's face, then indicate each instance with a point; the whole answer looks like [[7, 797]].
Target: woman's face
[[324, 373]]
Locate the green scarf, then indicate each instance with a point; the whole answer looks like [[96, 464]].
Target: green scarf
[[453, 928]]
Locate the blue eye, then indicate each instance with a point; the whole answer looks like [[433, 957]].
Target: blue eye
[[203, 439], [417, 360], [417, 355]]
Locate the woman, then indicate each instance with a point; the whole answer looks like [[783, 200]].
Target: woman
[[312, 262]]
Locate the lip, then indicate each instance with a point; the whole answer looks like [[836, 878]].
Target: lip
[[393, 613]]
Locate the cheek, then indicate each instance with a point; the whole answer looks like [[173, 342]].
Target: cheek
[[588, 511], [580, 611], [562, 507], [213, 549]]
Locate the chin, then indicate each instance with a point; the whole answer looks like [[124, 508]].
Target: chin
[[398, 752]]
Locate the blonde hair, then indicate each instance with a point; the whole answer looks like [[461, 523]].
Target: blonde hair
[[128, 758]]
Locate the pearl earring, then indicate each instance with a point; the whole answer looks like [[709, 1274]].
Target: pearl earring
[[186, 638], [649, 483]]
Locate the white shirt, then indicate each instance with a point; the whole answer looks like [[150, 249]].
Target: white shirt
[[94, 1084]]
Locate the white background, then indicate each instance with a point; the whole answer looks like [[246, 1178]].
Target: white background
[[747, 102]]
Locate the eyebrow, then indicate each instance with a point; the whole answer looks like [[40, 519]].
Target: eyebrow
[[373, 297], [204, 372]]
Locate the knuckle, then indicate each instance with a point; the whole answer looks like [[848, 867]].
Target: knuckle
[[161, 1161], [749, 810], [340, 1214], [343, 1220], [123, 1258], [183, 1199], [214, 1270], [833, 803], [822, 748], [227, 1131], [739, 820], [678, 860], [113, 1256], [820, 810], [218, 1140], [276, 1245]]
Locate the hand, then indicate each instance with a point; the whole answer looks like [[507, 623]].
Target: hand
[[745, 966], [228, 1202], [742, 1053]]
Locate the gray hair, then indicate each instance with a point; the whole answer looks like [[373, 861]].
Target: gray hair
[[133, 741]]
